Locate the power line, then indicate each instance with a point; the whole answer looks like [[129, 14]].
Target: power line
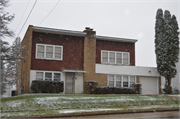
[[50, 12], [27, 18], [23, 15]]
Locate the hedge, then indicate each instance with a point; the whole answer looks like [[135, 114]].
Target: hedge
[[39, 86], [93, 88]]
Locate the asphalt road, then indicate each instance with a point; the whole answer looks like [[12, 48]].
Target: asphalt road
[[154, 115]]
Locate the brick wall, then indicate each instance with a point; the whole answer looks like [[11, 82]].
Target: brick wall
[[90, 60], [72, 52], [115, 46], [25, 63]]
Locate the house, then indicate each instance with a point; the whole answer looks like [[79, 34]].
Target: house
[[76, 57]]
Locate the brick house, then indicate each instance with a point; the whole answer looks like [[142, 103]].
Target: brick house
[[76, 57]]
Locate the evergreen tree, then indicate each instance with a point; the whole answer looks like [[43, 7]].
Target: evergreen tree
[[13, 64], [166, 45], [4, 56], [5, 19]]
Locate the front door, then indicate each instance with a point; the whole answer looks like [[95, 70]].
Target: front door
[[70, 82]]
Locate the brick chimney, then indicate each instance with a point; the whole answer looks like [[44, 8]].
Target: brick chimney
[[89, 55]]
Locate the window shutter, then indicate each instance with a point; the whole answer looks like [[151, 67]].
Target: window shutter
[[57, 76], [49, 51], [58, 52], [39, 75], [125, 59], [118, 81], [119, 58], [112, 57], [40, 51], [104, 57], [111, 80]]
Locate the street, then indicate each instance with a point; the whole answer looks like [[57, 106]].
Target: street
[[154, 115]]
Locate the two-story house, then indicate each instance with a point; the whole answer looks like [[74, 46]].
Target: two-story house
[[76, 57]]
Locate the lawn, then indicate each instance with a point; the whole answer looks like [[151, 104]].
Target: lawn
[[41, 104]]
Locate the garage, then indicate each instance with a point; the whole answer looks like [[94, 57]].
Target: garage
[[149, 85]]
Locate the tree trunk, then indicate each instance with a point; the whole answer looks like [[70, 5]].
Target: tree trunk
[[169, 85]]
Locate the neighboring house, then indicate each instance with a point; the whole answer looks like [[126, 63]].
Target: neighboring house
[[76, 57]]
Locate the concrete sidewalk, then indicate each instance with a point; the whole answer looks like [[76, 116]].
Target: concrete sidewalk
[[108, 112]]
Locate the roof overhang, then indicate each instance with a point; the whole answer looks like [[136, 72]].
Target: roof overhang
[[116, 39], [80, 33], [58, 31], [79, 71]]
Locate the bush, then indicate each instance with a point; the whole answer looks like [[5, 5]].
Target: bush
[[137, 88], [90, 87], [167, 90], [38, 86], [114, 90]]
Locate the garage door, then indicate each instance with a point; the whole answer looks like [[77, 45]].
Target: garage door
[[149, 85]]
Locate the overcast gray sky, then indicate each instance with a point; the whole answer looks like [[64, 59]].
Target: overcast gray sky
[[134, 19]]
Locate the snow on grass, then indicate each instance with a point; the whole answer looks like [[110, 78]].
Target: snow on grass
[[40, 102]]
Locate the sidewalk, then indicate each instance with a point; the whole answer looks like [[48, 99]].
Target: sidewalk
[[91, 112]]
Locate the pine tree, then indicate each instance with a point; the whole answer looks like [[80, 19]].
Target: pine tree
[[5, 19], [166, 45], [4, 56], [13, 64]]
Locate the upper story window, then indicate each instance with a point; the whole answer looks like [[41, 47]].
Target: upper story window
[[115, 57], [52, 52]]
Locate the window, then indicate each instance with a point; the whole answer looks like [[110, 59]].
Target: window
[[114, 57], [132, 80], [118, 81], [48, 76], [39, 75], [111, 80], [105, 57], [121, 81], [125, 81], [57, 77], [52, 52]]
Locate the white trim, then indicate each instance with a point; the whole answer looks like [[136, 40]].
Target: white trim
[[48, 72], [115, 58], [54, 46], [122, 76]]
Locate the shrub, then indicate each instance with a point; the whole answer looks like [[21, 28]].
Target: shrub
[[38, 86], [90, 87], [137, 88], [114, 90], [167, 90]]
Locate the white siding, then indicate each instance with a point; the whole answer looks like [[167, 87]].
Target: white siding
[[126, 70]]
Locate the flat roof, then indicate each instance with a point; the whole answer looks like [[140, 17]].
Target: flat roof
[[80, 33]]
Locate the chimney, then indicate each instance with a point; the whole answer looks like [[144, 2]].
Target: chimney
[[89, 30]]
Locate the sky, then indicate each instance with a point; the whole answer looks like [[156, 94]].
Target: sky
[[133, 19]]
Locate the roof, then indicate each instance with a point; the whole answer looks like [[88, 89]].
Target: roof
[[80, 33]]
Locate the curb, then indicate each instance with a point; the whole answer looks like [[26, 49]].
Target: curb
[[100, 113]]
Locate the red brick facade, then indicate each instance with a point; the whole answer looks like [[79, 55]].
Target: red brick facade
[[72, 52], [115, 46]]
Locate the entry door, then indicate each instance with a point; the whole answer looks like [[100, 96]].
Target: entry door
[[70, 82]]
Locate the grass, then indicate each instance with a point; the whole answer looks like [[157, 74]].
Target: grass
[[40, 104]]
